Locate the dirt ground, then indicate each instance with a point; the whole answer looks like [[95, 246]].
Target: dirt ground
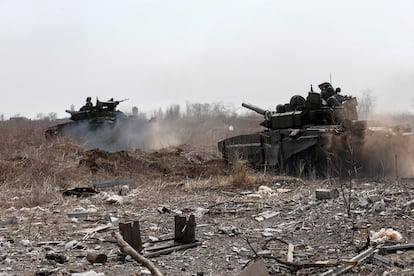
[[240, 214]]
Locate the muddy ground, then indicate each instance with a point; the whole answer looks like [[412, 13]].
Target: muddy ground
[[240, 214]]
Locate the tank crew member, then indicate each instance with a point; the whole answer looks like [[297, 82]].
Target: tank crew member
[[88, 105], [326, 90]]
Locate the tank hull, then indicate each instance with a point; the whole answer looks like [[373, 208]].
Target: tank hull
[[322, 151]]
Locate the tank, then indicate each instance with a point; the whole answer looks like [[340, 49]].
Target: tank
[[319, 135], [102, 126], [87, 119]]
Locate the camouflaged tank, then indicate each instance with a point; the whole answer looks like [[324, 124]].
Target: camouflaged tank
[[319, 136], [88, 119]]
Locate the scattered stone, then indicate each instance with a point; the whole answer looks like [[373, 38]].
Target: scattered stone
[[124, 190], [56, 258], [96, 258], [229, 230], [71, 244], [163, 210], [379, 206], [322, 194], [199, 212]]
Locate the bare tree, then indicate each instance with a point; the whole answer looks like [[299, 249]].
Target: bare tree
[[173, 112], [52, 116], [366, 103]]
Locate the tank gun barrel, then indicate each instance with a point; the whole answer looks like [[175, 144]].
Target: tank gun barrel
[[254, 108]]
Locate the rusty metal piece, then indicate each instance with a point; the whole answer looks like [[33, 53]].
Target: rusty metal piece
[[184, 229], [96, 258], [131, 234]]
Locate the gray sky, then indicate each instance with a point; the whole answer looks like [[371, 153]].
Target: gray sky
[[157, 53]]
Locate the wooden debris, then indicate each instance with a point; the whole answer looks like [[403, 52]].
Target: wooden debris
[[184, 229], [354, 261], [95, 229], [172, 248], [131, 234], [12, 220], [380, 260], [127, 249], [395, 248], [49, 243], [266, 215], [110, 183], [84, 214], [80, 192], [184, 237], [257, 268], [291, 248], [297, 266]]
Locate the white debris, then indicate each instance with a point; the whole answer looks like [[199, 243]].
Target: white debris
[[379, 206], [88, 273], [71, 244], [124, 190], [114, 199], [266, 191], [145, 271], [153, 239], [263, 191], [25, 242], [266, 215], [199, 212], [254, 196], [384, 235]]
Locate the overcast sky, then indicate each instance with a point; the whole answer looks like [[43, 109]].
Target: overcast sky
[[157, 53]]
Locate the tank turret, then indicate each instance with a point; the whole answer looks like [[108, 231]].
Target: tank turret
[[329, 108]]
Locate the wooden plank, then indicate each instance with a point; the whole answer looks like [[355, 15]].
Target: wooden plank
[[172, 249], [179, 224], [136, 236], [95, 229], [291, 248], [395, 248], [189, 232], [110, 183], [358, 259]]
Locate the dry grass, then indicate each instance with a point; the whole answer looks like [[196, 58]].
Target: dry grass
[[33, 170], [242, 174]]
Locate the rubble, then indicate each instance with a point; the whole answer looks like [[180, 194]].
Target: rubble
[[292, 231]]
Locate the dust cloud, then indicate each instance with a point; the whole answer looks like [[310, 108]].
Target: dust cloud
[[127, 134], [372, 149]]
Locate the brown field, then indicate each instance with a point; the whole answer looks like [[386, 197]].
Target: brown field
[[181, 170]]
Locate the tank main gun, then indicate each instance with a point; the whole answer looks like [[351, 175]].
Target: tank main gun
[[254, 108], [267, 114]]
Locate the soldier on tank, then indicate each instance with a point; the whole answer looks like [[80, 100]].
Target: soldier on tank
[[326, 90], [88, 105]]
